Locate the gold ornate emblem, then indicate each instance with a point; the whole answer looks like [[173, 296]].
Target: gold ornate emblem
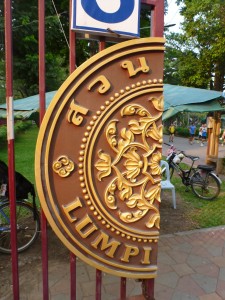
[[141, 166], [63, 166], [98, 159]]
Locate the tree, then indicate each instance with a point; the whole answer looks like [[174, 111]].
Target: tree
[[200, 50], [25, 46]]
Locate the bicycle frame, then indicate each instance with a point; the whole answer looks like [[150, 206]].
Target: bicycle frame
[[185, 175], [196, 177], [7, 218]]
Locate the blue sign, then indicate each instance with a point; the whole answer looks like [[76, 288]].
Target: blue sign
[[107, 17]]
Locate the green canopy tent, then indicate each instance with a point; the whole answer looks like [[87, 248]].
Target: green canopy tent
[[24, 108], [176, 99], [180, 98], [209, 106]]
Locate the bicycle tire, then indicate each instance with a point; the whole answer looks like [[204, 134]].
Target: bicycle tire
[[206, 191], [28, 226]]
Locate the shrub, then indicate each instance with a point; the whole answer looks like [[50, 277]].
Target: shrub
[[182, 131], [20, 126], [3, 133]]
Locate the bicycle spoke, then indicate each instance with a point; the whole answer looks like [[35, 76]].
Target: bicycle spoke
[[27, 226], [208, 188]]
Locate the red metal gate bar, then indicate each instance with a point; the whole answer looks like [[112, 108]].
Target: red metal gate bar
[[72, 66], [98, 284], [10, 138], [72, 41], [123, 286], [148, 289], [157, 19], [42, 105], [73, 277], [101, 44]]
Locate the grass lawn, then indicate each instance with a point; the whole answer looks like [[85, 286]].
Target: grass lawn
[[205, 213], [202, 212], [25, 143]]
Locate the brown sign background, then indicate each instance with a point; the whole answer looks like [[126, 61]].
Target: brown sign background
[[97, 159]]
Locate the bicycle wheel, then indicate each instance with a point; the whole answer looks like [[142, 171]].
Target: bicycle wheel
[[207, 188], [28, 226]]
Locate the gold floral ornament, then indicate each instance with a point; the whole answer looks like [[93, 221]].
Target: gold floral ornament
[[63, 166], [103, 165], [137, 182], [158, 103]]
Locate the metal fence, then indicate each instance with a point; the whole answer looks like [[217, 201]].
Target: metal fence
[[157, 26]]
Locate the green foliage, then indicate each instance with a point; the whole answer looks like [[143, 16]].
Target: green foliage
[[198, 54], [25, 46], [35, 116], [20, 126], [182, 131], [3, 134], [25, 142]]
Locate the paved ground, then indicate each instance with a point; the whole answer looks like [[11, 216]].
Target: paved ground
[[191, 265], [194, 149]]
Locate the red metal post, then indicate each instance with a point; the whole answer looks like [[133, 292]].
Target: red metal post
[[10, 138], [123, 287], [41, 50], [42, 105], [73, 277], [148, 288], [72, 66], [101, 44], [157, 19], [98, 284], [72, 41]]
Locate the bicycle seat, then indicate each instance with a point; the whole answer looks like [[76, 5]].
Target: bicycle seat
[[206, 168], [193, 157]]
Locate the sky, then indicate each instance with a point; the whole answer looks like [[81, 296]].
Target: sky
[[173, 16]]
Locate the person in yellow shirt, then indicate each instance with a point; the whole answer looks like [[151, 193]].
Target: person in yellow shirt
[[171, 131]]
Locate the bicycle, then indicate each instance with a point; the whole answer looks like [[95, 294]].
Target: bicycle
[[28, 224], [204, 183]]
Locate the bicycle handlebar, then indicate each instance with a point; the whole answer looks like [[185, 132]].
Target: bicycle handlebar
[[193, 158]]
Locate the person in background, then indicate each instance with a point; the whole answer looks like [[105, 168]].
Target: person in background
[[171, 131], [204, 134], [223, 138], [200, 134], [192, 130]]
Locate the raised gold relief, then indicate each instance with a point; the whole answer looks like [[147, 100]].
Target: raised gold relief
[[158, 103], [104, 84], [63, 166], [75, 112], [137, 185], [106, 117], [131, 68]]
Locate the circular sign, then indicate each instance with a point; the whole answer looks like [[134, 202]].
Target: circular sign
[[97, 159]]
